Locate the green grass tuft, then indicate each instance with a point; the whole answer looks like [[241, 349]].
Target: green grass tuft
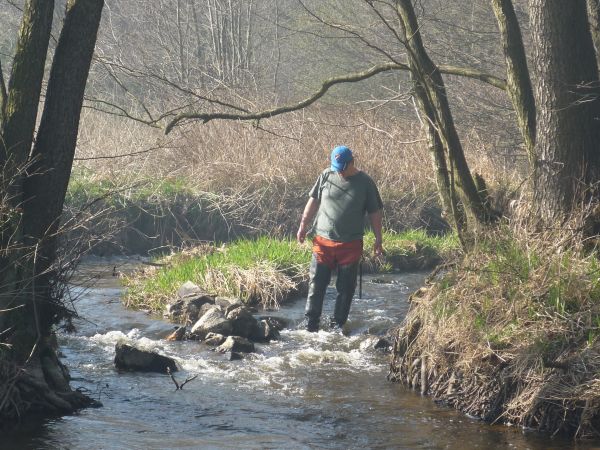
[[265, 270]]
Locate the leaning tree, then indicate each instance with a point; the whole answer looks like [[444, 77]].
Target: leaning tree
[[557, 115], [34, 180]]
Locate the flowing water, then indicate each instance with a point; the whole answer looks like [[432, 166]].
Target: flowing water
[[307, 390]]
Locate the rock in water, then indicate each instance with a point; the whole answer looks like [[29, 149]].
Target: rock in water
[[214, 321], [228, 303], [243, 322], [269, 328], [214, 339], [189, 306], [177, 335], [236, 344], [383, 344], [233, 356], [133, 359]]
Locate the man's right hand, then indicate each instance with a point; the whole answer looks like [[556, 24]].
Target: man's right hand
[[308, 214], [301, 235]]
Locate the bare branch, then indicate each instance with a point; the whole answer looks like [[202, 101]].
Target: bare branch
[[173, 378], [187, 380], [179, 387], [327, 84], [122, 112], [353, 33], [141, 152]]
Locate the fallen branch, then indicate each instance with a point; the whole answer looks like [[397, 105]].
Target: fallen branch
[[179, 387]]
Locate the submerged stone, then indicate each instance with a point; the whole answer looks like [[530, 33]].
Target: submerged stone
[[234, 356]]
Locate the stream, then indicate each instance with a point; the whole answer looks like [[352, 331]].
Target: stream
[[307, 390]]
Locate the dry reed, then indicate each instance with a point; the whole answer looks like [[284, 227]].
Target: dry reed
[[261, 176]]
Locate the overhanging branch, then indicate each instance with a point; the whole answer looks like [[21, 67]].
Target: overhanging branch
[[327, 84]]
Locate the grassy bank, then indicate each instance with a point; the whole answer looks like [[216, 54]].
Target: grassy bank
[[511, 334], [228, 180], [266, 270]]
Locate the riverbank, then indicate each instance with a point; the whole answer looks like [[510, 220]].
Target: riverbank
[[511, 334], [156, 216], [268, 271]]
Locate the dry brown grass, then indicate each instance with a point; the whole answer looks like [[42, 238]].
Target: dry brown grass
[[511, 334], [263, 174]]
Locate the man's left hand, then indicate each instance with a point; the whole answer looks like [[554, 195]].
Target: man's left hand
[[378, 248]]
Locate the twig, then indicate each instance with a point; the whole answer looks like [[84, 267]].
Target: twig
[[179, 387]]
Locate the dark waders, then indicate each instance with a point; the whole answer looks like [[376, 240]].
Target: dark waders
[[320, 276]]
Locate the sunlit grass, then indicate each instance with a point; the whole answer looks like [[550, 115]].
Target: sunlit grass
[[262, 270], [265, 270]]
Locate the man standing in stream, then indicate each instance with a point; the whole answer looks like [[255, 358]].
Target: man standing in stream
[[340, 198]]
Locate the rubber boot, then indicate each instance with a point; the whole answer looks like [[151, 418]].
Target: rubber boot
[[320, 275], [345, 285]]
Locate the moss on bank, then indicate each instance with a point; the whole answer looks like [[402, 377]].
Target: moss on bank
[[511, 334], [266, 270]]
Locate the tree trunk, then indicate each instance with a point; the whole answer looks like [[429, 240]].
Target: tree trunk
[[32, 379], [57, 135], [594, 17], [433, 87], [566, 86], [446, 191], [22, 101], [517, 73], [25, 83], [3, 97]]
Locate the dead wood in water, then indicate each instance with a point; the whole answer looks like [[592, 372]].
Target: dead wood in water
[[179, 387]]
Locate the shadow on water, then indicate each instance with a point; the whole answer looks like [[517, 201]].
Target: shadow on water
[[307, 390]]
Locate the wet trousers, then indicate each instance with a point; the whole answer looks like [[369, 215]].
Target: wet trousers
[[322, 264]]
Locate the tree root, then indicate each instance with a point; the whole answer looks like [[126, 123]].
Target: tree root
[[40, 388]]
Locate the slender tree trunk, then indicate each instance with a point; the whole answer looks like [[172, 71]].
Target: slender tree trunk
[[566, 85], [25, 83], [180, 44], [594, 17], [517, 73], [22, 101], [446, 191], [3, 97], [277, 52], [428, 73]]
